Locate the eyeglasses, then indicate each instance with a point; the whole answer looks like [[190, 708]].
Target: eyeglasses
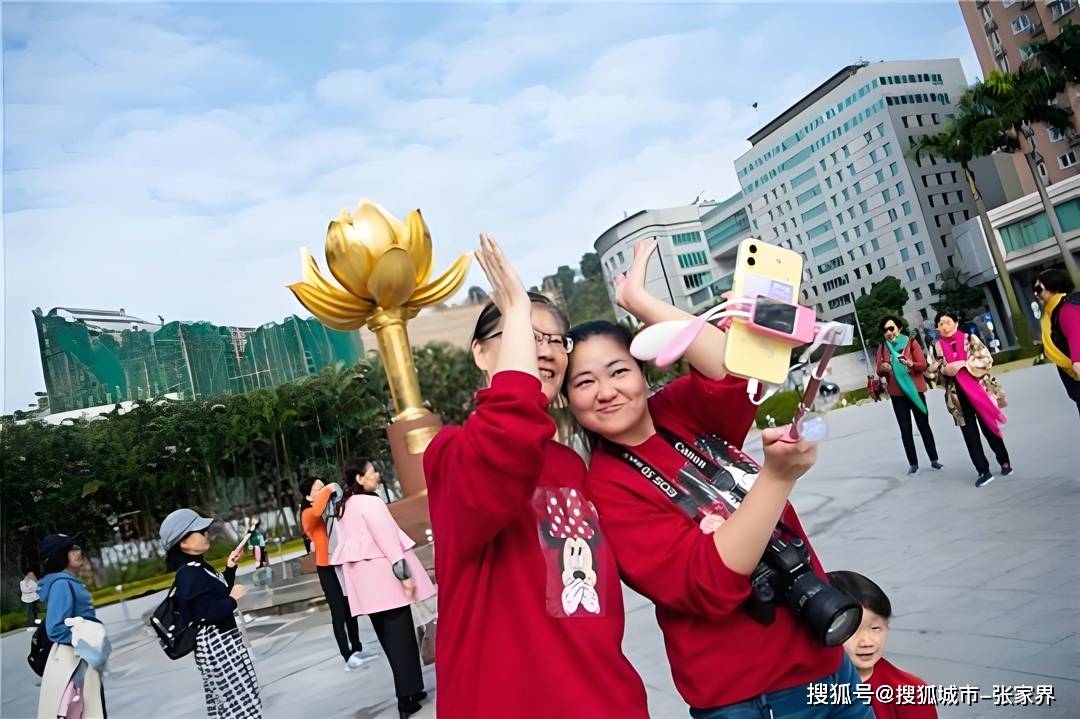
[[1038, 288], [561, 342], [890, 328]]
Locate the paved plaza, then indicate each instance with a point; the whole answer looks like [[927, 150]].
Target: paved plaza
[[984, 583]]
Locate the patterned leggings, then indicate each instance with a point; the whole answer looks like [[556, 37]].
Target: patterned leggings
[[229, 681]]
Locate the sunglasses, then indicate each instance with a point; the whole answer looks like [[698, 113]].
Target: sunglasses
[[1038, 288], [890, 328]]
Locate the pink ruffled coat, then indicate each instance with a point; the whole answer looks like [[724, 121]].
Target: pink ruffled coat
[[369, 543]]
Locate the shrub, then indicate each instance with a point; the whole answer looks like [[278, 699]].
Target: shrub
[[781, 407]]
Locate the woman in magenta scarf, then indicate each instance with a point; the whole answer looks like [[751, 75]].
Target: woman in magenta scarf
[[964, 363]]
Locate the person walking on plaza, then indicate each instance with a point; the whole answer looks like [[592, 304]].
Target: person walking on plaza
[[901, 362], [209, 599], [972, 396], [1061, 327], [28, 587], [317, 497], [257, 542], [383, 577], [530, 613], [866, 649], [71, 683]]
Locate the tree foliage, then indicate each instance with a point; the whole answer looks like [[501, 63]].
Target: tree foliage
[[886, 297], [229, 456], [954, 293]]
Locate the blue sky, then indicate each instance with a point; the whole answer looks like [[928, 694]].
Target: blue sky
[[173, 159]]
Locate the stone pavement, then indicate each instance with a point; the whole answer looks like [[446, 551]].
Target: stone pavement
[[984, 582]]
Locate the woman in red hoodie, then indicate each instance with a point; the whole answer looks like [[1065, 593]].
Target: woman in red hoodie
[[725, 662], [530, 604]]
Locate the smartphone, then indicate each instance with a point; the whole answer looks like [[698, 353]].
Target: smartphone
[[762, 270]]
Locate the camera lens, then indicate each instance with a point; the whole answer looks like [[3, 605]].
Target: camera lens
[[753, 248], [751, 261]]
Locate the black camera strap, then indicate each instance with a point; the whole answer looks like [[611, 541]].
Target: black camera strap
[[711, 472]]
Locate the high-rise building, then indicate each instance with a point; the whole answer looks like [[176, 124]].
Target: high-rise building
[[830, 178], [1002, 32], [696, 245]]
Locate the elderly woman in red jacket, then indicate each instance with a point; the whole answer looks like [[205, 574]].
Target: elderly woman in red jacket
[[902, 363]]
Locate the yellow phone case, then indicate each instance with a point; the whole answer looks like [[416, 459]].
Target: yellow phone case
[[772, 271]]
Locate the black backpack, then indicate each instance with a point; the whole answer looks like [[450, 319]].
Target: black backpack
[[41, 645], [176, 635]]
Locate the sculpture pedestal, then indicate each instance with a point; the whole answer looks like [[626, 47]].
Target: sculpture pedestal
[[408, 440]]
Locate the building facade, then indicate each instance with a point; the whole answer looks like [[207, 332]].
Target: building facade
[[1002, 31], [696, 248], [831, 179], [97, 357]]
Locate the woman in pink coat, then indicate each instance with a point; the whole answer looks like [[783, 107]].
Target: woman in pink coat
[[382, 577]]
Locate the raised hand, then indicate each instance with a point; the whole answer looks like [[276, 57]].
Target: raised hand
[[786, 460], [507, 291], [630, 286]]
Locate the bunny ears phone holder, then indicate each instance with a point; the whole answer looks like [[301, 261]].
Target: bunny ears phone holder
[[666, 342]]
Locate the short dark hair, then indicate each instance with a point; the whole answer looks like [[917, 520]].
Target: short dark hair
[[863, 591], [890, 318], [305, 489], [1055, 280], [954, 316], [598, 328], [491, 315]]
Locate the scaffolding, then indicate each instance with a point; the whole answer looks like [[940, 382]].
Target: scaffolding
[[95, 357]]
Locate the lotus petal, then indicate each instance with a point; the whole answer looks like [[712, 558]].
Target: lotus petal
[[419, 245], [349, 260], [328, 309], [444, 286], [393, 279], [377, 229]]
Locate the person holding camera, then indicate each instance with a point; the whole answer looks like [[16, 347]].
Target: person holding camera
[[736, 646], [901, 363], [209, 599]]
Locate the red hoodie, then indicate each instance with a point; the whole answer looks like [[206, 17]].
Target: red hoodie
[[530, 604], [903, 701], [718, 654]]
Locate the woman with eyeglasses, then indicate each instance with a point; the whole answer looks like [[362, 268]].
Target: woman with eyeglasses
[[973, 400], [530, 605], [1061, 327], [902, 363], [209, 599]]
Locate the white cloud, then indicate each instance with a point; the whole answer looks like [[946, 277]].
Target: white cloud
[[156, 163]]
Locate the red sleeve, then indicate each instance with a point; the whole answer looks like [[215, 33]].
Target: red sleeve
[[481, 476], [662, 554], [880, 358], [720, 407], [1069, 320]]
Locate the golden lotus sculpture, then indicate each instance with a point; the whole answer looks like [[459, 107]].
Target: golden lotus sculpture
[[383, 267]]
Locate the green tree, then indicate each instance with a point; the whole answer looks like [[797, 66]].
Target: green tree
[[954, 293], [962, 140], [886, 297], [591, 269], [1017, 101]]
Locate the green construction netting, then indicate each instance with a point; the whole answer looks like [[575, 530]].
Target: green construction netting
[[85, 366]]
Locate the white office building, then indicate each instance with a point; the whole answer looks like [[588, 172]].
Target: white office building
[[830, 179], [696, 245]]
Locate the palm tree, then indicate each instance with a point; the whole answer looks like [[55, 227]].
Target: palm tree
[[1019, 100], [1062, 54], [959, 141]]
